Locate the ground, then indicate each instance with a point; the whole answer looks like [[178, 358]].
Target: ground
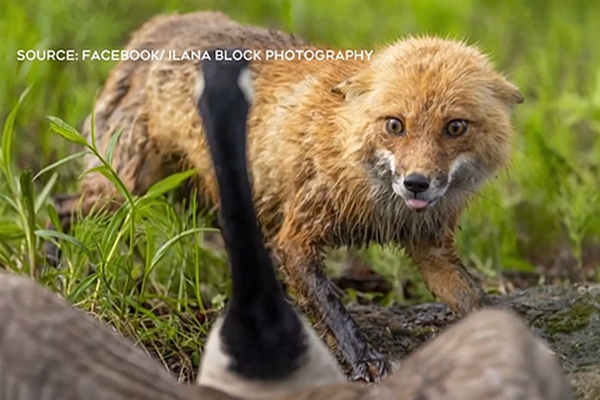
[[567, 317]]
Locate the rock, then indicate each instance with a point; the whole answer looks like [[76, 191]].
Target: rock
[[567, 317]]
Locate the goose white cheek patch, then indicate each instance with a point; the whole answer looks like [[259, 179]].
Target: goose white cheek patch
[[199, 88], [246, 85]]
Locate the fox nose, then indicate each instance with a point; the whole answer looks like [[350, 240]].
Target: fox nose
[[416, 183]]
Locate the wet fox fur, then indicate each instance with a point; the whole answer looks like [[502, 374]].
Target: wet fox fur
[[342, 153]]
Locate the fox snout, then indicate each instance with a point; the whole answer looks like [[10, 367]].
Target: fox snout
[[421, 185], [420, 190], [416, 183]]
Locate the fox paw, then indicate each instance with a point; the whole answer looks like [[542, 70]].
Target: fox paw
[[371, 368]]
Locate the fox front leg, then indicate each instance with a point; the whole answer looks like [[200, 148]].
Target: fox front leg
[[446, 276], [305, 272]]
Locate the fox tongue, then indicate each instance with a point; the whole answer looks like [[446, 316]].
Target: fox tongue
[[417, 204]]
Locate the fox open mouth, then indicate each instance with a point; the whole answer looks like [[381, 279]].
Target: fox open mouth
[[417, 204], [421, 201]]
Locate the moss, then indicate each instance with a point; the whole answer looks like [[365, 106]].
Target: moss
[[585, 382], [424, 332], [571, 320]]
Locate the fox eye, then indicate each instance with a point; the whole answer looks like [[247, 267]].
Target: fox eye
[[394, 126], [456, 127]]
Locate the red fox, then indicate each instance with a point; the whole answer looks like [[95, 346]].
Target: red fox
[[341, 152]]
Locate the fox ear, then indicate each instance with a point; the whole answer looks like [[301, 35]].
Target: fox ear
[[507, 92], [351, 88]]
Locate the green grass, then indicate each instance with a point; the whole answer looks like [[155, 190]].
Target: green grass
[[147, 270]]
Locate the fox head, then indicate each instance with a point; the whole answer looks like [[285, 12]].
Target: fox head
[[433, 117]]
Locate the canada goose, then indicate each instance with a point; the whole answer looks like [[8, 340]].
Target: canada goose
[[50, 350], [261, 347]]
